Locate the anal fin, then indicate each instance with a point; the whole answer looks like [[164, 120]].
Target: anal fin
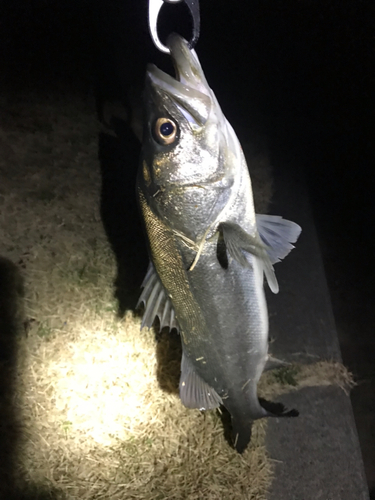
[[274, 363], [195, 392]]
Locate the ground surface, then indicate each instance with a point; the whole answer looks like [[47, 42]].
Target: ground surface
[[89, 403]]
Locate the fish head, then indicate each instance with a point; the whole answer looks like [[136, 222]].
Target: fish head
[[190, 153]]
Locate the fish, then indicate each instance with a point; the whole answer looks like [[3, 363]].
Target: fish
[[209, 251]]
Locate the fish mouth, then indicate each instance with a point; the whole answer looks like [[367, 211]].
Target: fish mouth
[[189, 90]]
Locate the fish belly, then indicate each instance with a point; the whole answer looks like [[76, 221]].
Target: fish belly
[[229, 350]]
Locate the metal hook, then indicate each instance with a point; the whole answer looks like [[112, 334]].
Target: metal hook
[[153, 13]]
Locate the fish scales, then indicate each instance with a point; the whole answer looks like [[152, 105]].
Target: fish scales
[[169, 264]]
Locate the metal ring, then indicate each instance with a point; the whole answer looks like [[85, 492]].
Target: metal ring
[[153, 14]]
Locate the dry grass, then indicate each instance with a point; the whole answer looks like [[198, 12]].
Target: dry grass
[[297, 376], [101, 427], [95, 398]]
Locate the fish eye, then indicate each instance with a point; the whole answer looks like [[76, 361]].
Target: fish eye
[[165, 131]]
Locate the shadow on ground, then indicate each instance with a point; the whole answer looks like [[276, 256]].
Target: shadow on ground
[[11, 290], [119, 156], [168, 356], [13, 324]]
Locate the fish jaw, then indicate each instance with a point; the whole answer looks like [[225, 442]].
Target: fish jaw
[[201, 153], [189, 89], [186, 63]]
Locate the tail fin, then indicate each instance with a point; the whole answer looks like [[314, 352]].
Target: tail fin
[[241, 429], [241, 434], [277, 409]]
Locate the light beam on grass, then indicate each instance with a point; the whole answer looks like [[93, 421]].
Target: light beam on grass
[[103, 388]]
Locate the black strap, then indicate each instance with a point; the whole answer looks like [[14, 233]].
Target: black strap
[[193, 6]]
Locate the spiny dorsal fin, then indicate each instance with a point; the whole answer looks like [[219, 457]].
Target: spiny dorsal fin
[[156, 302]]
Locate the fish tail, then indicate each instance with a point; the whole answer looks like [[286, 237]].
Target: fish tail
[[241, 434], [277, 409], [242, 422], [260, 408]]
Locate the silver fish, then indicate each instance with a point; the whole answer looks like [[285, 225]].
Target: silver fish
[[208, 248]]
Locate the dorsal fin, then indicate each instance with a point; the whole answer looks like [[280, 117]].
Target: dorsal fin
[[156, 302]]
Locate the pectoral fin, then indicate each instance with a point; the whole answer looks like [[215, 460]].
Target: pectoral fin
[[238, 241], [274, 364], [156, 302], [277, 234], [195, 392]]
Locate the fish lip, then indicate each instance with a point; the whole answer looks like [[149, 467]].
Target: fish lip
[[187, 67], [186, 64], [189, 76], [189, 89]]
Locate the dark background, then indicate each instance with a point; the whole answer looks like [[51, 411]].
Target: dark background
[[301, 72]]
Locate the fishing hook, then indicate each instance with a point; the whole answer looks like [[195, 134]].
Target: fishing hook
[[154, 7]]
